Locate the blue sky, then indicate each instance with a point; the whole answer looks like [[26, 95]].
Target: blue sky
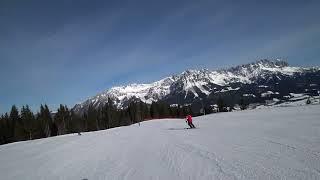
[[64, 51]]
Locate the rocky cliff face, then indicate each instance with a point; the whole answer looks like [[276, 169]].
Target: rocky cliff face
[[256, 81]]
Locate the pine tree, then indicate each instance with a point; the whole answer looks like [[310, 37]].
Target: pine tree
[[178, 111], [62, 119], [28, 123], [14, 118], [5, 133], [92, 118], [106, 116], [221, 105], [76, 123], [243, 105], [163, 109], [112, 114], [140, 111], [181, 112], [133, 110], [67, 116], [154, 110], [146, 111], [2, 130], [54, 129], [186, 110], [45, 121], [48, 120]]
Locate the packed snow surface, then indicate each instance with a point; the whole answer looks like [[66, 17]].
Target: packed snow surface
[[273, 143]]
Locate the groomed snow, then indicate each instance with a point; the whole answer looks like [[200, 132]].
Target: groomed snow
[[273, 143]]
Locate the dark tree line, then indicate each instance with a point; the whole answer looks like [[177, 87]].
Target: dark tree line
[[26, 125], [23, 124]]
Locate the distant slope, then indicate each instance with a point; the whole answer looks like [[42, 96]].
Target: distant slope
[[256, 82], [275, 143]]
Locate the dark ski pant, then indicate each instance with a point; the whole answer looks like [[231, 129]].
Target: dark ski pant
[[191, 125]]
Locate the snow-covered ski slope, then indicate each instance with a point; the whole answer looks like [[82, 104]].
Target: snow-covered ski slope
[[273, 143]]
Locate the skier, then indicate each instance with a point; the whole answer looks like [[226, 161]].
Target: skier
[[189, 121]]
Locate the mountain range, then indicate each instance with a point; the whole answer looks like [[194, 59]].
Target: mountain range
[[258, 82]]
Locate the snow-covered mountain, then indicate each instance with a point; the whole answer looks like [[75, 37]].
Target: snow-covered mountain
[[192, 85]]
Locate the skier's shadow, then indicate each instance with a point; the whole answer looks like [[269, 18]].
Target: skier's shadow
[[178, 128]]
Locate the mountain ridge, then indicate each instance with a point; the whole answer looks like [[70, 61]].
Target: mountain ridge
[[196, 84]]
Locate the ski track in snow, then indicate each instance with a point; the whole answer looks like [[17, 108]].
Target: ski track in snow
[[273, 143]]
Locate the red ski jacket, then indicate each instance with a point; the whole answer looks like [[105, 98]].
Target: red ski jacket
[[189, 118]]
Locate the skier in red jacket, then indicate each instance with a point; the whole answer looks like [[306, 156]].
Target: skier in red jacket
[[189, 121]]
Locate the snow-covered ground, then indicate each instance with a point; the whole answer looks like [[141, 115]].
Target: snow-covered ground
[[273, 143], [296, 100]]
